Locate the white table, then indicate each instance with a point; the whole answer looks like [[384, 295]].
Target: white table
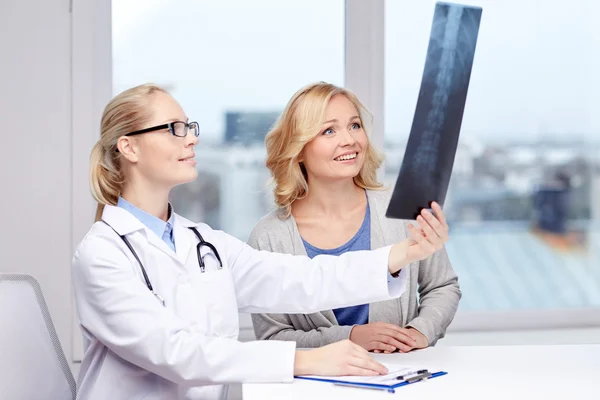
[[474, 372]]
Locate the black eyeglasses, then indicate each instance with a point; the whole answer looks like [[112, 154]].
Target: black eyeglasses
[[177, 128]]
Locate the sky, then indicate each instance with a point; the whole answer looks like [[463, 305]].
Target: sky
[[533, 72]]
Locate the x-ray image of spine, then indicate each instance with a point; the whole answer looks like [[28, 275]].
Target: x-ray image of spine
[[425, 158], [429, 156]]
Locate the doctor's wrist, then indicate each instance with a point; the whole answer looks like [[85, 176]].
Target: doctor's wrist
[[302, 362], [398, 258]]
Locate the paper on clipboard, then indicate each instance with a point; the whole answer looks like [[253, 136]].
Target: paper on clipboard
[[394, 370]]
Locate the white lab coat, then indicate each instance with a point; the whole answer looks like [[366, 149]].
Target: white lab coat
[[137, 349]]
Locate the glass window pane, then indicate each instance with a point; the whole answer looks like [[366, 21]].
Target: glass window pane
[[233, 65], [523, 231]]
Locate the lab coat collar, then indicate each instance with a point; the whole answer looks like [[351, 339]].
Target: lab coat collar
[[184, 238], [121, 220], [186, 223], [124, 223]]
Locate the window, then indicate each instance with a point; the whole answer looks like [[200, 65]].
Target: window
[[233, 65], [526, 169], [524, 232]]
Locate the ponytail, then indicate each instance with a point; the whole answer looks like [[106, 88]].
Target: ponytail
[[125, 113], [105, 177]]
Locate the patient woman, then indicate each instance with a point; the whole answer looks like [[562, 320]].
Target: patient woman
[[330, 202]]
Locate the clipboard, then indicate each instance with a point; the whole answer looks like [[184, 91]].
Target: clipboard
[[391, 388]]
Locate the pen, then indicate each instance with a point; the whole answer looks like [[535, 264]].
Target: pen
[[411, 374], [417, 378]]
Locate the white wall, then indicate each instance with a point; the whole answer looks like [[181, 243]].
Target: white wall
[[35, 165], [91, 67], [51, 103]]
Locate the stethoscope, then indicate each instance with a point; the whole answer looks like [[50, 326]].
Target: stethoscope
[[201, 242]]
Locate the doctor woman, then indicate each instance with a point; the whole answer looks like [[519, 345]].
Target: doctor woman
[[158, 296]]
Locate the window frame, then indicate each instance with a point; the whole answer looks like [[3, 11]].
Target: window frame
[[364, 74]]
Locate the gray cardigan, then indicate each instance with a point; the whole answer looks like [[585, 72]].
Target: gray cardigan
[[437, 285]]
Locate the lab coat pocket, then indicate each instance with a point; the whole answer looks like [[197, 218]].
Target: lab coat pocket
[[218, 293], [190, 303]]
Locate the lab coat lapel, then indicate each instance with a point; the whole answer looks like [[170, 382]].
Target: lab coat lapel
[[160, 244], [121, 220], [183, 242], [124, 223], [185, 239]]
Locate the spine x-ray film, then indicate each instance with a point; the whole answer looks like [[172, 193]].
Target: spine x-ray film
[[429, 156]]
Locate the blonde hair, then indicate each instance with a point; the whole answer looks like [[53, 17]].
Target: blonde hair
[[300, 122], [126, 112]]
